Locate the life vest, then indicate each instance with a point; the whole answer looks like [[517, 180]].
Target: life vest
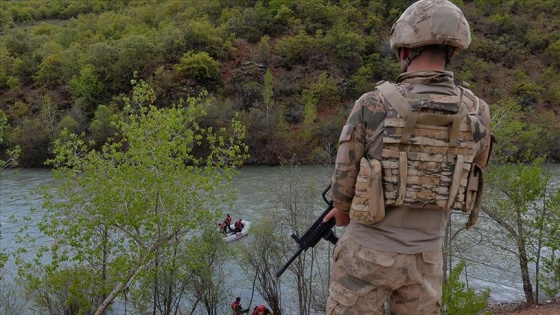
[[239, 225], [429, 143]]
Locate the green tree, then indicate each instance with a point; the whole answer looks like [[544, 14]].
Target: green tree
[[199, 66], [50, 72], [101, 127], [10, 160], [550, 273], [518, 198], [509, 127], [86, 88], [553, 51], [309, 117], [112, 211], [517, 203], [294, 203], [457, 299], [295, 50]]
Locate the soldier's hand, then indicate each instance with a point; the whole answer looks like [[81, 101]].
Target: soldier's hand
[[341, 218]]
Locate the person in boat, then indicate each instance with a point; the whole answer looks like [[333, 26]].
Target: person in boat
[[238, 226], [236, 307], [261, 310], [228, 219], [225, 226]]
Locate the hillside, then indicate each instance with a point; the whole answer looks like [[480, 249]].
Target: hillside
[[67, 64]]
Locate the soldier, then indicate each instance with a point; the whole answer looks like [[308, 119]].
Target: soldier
[[409, 154]]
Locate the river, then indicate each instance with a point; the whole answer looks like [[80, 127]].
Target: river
[[252, 184]]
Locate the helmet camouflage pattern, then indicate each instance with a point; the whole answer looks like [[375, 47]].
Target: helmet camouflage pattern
[[431, 22]]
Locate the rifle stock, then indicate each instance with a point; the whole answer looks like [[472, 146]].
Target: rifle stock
[[318, 230]]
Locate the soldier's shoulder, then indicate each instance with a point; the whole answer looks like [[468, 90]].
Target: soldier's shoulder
[[472, 100], [373, 97], [370, 100]]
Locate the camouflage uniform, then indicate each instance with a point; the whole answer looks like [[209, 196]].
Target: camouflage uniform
[[398, 258]]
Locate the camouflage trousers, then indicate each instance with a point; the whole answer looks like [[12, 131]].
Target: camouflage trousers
[[362, 279]]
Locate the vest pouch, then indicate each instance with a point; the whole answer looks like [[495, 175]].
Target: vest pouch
[[368, 206], [473, 202]]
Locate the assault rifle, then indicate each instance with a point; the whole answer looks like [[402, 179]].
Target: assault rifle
[[318, 230]]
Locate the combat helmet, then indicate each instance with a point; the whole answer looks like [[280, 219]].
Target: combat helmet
[[430, 22]]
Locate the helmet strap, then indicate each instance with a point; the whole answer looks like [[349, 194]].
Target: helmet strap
[[413, 54]]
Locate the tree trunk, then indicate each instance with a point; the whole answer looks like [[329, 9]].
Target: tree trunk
[[527, 286]]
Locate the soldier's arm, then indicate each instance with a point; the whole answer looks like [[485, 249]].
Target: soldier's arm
[[352, 147]]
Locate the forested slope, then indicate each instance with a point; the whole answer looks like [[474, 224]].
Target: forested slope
[[292, 68]]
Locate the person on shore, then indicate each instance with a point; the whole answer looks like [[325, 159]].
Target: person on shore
[[409, 153], [261, 310], [236, 307]]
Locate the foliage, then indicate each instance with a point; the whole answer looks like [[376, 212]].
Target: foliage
[[519, 203], [115, 210], [11, 299], [509, 129], [459, 299], [86, 88], [92, 48], [261, 258], [199, 66], [10, 160], [295, 50], [72, 290], [309, 117], [550, 276], [101, 126], [293, 202]]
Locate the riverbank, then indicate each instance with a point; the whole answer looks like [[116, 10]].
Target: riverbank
[[520, 308]]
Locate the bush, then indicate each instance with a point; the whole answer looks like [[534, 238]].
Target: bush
[[460, 300], [295, 50], [200, 66]]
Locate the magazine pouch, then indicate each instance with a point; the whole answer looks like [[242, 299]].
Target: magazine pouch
[[368, 206]]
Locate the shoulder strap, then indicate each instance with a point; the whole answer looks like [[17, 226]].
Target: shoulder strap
[[472, 101], [402, 106], [395, 98]]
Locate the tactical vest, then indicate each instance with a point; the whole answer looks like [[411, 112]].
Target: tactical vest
[[428, 150]]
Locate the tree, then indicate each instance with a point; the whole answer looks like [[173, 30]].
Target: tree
[[114, 210], [457, 299], [205, 263], [86, 88], [200, 66], [309, 118], [550, 280], [517, 197], [12, 154], [185, 277], [101, 128], [517, 204], [11, 300], [294, 202]]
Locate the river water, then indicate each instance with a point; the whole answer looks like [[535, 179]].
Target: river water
[[252, 184]]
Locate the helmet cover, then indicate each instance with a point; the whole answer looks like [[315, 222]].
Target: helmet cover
[[431, 22]]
